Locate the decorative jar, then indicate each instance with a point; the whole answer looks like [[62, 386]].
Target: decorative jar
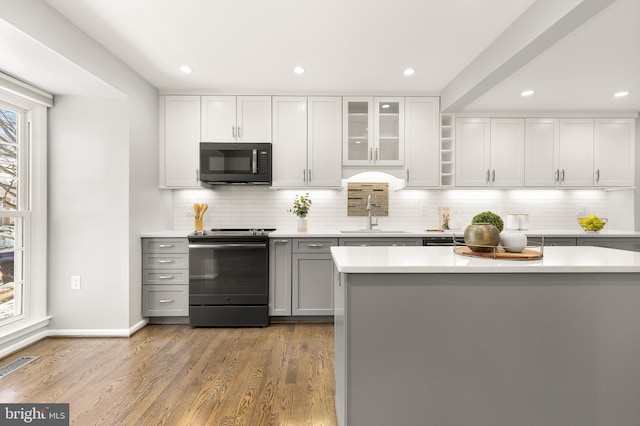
[[481, 237], [513, 241]]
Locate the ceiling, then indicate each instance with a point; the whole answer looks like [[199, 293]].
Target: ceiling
[[362, 47]]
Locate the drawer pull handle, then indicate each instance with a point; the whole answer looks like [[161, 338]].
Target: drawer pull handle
[[165, 261], [315, 245], [165, 277], [165, 245], [280, 241], [165, 300]]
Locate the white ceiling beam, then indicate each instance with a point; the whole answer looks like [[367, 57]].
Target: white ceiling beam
[[538, 28]]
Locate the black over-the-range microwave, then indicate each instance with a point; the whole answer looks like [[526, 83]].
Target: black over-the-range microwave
[[225, 163]]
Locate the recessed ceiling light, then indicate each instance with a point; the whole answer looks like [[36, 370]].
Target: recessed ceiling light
[[186, 69], [621, 94], [528, 93], [298, 70], [409, 71]]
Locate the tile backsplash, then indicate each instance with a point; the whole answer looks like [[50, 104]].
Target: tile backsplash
[[263, 207], [358, 198]]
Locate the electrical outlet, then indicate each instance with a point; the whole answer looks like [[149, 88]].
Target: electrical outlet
[[424, 210], [582, 210], [189, 212], [75, 282]]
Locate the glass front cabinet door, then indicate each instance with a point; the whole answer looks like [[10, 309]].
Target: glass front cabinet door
[[373, 131]]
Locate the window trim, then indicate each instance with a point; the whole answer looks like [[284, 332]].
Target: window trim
[[31, 325]]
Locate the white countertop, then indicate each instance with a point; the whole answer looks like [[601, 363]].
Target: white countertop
[[409, 233], [433, 260], [420, 233]]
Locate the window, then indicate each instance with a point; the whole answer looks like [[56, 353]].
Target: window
[[23, 211], [11, 223]]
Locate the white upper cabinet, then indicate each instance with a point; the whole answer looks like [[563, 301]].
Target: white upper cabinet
[[575, 152], [179, 140], [489, 152], [289, 141], [307, 141], [324, 138], [422, 145], [542, 137], [236, 119], [507, 151], [614, 152], [473, 141], [373, 131], [559, 152]]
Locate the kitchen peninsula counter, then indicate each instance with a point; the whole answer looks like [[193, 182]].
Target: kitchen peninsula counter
[[426, 336]]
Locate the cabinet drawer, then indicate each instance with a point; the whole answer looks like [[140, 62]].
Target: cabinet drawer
[[314, 245], [388, 242], [165, 245], [165, 261], [165, 301], [165, 277]]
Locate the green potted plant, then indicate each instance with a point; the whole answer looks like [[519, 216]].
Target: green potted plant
[[484, 232], [301, 207]]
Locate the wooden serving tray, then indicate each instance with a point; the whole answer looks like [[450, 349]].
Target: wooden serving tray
[[500, 253]]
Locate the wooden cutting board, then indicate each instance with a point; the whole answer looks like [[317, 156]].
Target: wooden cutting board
[[500, 253]]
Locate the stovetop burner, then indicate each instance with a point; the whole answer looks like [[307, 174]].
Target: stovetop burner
[[231, 232]]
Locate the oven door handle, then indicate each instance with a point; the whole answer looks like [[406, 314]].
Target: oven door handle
[[226, 246]]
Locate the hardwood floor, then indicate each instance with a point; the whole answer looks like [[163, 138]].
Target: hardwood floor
[[174, 375]]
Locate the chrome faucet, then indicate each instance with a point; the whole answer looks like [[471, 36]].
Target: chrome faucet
[[370, 224]]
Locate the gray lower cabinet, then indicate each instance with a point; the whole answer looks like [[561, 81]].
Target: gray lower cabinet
[[165, 277], [312, 276], [622, 243], [280, 277]]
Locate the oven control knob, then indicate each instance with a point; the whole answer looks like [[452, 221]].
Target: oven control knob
[[228, 299]]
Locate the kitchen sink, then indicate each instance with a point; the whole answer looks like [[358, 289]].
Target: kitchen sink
[[371, 231]]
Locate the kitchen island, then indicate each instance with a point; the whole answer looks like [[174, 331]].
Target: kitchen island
[[424, 336]]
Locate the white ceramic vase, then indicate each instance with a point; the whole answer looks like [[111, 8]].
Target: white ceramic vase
[[513, 241], [302, 224]]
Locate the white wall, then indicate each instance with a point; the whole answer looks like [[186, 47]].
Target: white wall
[[260, 207], [113, 139], [88, 213]]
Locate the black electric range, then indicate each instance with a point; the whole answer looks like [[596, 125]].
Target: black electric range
[[229, 278]]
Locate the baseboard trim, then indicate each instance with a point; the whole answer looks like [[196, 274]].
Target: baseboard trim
[[30, 335], [22, 343], [138, 326], [107, 332]]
